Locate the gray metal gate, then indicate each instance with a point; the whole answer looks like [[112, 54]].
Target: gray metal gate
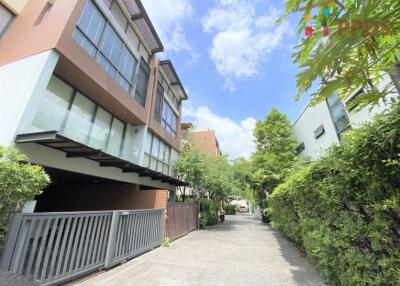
[[51, 248]]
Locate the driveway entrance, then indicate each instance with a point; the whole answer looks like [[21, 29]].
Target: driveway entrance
[[241, 251]]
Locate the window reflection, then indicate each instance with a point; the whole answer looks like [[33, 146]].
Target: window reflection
[[157, 154], [115, 139], [72, 114], [79, 119], [53, 107], [101, 129], [338, 113]]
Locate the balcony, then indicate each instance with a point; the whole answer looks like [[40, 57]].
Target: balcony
[[73, 149]]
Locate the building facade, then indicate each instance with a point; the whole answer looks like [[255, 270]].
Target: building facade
[[84, 95], [204, 140], [319, 127]]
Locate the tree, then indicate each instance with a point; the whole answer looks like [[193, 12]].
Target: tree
[[243, 180], [362, 46], [189, 167], [275, 154], [217, 177], [19, 182]]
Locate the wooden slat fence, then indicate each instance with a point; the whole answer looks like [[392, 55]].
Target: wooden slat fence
[[182, 218]]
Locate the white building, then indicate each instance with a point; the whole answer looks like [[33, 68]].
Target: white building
[[319, 127]]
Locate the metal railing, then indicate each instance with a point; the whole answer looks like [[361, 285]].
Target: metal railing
[[51, 248], [182, 218]]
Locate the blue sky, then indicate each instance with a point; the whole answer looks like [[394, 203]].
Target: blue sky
[[234, 62]]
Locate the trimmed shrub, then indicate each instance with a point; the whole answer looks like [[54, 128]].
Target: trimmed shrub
[[208, 213], [344, 209]]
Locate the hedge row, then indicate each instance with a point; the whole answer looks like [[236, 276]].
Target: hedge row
[[208, 213], [344, 209]]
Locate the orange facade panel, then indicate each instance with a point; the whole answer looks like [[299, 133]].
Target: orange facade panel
[[206, 142]]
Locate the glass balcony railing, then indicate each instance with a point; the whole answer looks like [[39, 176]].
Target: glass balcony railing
[[75, 116]]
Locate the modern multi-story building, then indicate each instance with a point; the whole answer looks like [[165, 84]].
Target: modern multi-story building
[[203, 140], [319, 127], [83, 94]]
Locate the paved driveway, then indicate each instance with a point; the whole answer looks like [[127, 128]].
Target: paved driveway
[[241, 251]]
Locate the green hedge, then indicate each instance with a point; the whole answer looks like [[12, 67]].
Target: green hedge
[[344, 209], [208, 213]]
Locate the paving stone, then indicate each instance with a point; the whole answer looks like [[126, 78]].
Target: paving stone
[[241, 251]]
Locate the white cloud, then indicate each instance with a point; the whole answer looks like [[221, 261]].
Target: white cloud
[[236, 139], [242, 39], [168, 17]]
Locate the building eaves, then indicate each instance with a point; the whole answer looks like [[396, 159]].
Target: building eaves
[[140, 17], [173, 78]]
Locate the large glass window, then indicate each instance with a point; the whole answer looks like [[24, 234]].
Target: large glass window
[[90, 28], [164, 113], [54, 106], [169, 119], [101, 41], [5, 18], [338, 113], [72, 114], [167, 160], [127, 67], [159, 103], [100, 129], [79, 119], [157, 154], [147, 149], [141, 86], [130, 151], [116, 137], [111, 48]]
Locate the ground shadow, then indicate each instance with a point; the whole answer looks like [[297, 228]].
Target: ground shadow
[[303, 272], [301, 266]]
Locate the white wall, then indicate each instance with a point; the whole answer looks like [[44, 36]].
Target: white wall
[[22, 84], [359, 117], [311, 118]]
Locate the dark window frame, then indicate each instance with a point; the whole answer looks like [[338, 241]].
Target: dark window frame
[[159, 103], [338, 132], [142, 98], [349, 104], [300, 148], [319, 131]]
